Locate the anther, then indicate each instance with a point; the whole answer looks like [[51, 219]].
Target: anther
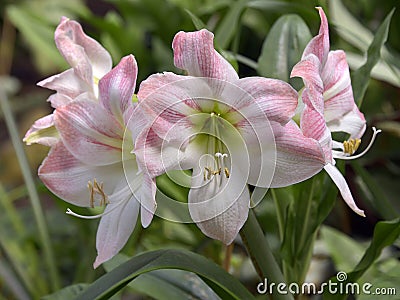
[[351, 146], [96, 188]]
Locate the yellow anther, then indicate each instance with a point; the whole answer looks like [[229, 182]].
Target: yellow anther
[[226, 172], [351, 146]]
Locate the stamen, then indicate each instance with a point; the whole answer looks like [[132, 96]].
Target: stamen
[[227, 174], [70, 212], [375, 133], [96, 188], [351, 146]]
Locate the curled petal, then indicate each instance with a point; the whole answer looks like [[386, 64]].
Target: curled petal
[[67, 85], [319, 45], [89, 132], [117, 87], [84, 54], [195, 53], [352, 123], [115, 229], [309, 70], [341, 183], [42, 132]]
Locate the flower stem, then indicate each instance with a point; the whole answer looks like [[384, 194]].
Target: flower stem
[[261, 255], [33, 195]]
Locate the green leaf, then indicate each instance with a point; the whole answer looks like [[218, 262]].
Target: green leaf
[[361, 77], [198, 24], [226, 29], [223, 284], [373, 192], [283, 47], [69, 292], [385, 234], [166, 284]]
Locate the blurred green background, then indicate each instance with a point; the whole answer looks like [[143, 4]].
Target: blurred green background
[[146, 29]]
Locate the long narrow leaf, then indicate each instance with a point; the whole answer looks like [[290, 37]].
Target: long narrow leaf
[[223, 284], [361, 77]]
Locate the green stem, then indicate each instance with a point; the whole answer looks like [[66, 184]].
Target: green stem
[[280, 213], [261, 255], [33, 195]]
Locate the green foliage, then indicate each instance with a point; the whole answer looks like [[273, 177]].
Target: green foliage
[[223, 284], [258, 37]]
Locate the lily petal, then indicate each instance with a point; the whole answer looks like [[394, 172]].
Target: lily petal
[[148, 200], [194, 52], [67, 177], [341, 183], [42, 132], [266, 97], [313, 126], [309, 70], [84, 54], [67, 84], [115, 228], [219, 209], [167, 99], [117, 87], [338, 94], [89, 132], [353, 123], [298, 157], [319, 45]]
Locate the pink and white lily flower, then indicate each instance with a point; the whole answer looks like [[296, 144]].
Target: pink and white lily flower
[[329, 105], [92, 164], [224, 129], [89, 62]]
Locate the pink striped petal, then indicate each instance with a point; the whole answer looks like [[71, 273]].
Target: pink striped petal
[[117, 87], [338, 94], [265, 97], [89, 132], [309, 70], [298, 157], [194, 52], [341, 183], [42, 132], [84, 54], [67, 177], [319, 45], [168, 99], [313, 126], [156, 156], [352, 123], [115, 228]]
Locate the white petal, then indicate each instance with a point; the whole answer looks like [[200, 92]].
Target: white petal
[[219, 205], [352, 123], [341, 183], [115, 229]]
